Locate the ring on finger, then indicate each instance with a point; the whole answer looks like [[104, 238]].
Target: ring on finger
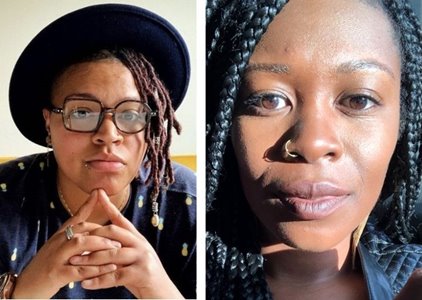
[[69, 232]]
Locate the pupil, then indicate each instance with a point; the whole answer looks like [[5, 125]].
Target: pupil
[[270, 103]]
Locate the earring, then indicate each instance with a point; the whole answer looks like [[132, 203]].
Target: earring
[[288, 153], [355, 240], [49, 146], [48, 140]]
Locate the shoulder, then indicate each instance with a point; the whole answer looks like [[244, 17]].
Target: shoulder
[[16, 174], [15, 165], [177, 201], [184, 180], [398, 261], [21, 165]]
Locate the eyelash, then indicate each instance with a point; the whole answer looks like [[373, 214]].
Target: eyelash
[[350, 110], [255, 102]]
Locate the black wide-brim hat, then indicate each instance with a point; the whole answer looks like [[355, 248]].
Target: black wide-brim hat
[[106, 26]]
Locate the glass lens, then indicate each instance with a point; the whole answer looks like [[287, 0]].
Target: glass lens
[[81, 115], [131, 116]]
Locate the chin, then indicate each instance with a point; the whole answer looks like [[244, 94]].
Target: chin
[[308, 238], [111, 188], [315, 247]]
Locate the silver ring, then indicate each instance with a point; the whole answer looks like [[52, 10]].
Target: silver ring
[[286, 150], [69, 232]]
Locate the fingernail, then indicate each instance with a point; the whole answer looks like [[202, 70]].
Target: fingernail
[[116, 244], [113, 267], [105, 196], [74, 260], [87, 282]]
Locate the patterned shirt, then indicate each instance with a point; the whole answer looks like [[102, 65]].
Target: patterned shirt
[[31, 212]]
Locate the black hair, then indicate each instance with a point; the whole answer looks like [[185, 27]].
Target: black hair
[[234, 27]]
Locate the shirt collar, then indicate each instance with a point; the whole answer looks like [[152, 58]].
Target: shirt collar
[[377, 282]]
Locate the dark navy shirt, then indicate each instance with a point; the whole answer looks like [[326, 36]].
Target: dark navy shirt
[[31, 212], [377, 283], [386, 264]]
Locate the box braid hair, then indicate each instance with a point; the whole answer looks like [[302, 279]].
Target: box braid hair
[[158, 133], [234, 28]]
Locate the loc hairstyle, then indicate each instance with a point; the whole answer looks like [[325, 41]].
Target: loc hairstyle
[[234, 28], [158, 133]]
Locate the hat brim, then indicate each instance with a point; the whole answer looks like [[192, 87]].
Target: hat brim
[[86, 30]]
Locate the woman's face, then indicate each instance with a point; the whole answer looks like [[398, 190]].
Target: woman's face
[[326, 76], [107, 158]]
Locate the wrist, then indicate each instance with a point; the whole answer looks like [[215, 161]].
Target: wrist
[[26, 288], [169, 291], [7, 285]]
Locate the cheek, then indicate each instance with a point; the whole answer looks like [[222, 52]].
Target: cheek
[[373, 155], [136, 147], [70, 155], [67, 144], [251, 140]]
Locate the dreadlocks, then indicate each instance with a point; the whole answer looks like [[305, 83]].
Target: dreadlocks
[[158, 133], [234, 28]]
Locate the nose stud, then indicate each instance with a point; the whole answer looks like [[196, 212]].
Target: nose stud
[[287, 152]]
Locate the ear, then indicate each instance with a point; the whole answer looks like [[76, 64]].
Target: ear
[[46, 114]]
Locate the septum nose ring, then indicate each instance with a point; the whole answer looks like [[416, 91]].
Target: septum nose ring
[[286, 150]]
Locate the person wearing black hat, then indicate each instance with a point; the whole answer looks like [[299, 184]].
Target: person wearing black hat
[[106, 214]]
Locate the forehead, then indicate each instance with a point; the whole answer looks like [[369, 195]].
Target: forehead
[[328, 31], [105, 79]]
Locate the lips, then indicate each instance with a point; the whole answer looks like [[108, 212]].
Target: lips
[[313, 200], [105, 163]]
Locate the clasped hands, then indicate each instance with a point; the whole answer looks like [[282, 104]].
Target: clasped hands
[[97, 256]]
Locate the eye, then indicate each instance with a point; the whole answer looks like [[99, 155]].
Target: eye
[[129, 116], [268, 101], [80, 113], [358, 102]]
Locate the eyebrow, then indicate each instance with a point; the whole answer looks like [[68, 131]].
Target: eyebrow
[[271, 68], [358, 65], [347, 67], [88, 96]]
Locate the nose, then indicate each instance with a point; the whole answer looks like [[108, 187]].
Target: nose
[[107, 133], [316, 136]]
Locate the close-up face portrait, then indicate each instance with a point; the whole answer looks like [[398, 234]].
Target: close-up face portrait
[[317, 120], [313, 149]]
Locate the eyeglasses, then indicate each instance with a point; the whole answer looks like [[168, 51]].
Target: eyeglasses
[[86, 115]]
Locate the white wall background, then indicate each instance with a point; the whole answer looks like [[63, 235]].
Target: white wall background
[[21, 20]]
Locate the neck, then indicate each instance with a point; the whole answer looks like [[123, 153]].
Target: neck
[[72, 198], [290, 264], [299, 274]]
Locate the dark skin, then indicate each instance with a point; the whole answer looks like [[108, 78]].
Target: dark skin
[[333, 89]]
